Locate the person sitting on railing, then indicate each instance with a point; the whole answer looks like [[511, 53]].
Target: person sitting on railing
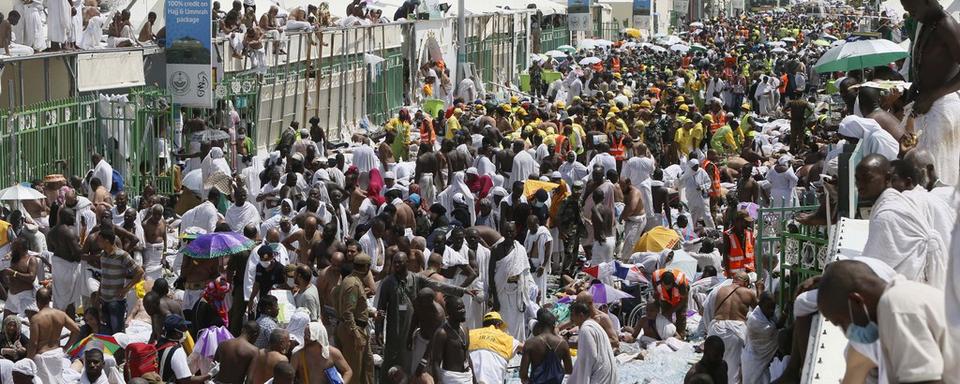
[[120, 33], [270, 28], [298, 21], [230, 27], [253, 47], [6, 36], [93, 32], [146, 33], [375, 16]]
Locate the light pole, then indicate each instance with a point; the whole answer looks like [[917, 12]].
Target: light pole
[[461, 41]]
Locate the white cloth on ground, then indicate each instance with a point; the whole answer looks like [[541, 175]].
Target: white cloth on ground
[[733, 333], [595, 360]]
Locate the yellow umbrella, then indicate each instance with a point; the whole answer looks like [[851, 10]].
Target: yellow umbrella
[[656, 240], [632, 32]]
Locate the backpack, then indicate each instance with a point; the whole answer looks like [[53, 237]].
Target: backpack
[[117, 185], [141, 359], [165, 363]]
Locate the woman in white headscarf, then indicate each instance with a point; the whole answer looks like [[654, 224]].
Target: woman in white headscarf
[[458, 185], [213, 163]]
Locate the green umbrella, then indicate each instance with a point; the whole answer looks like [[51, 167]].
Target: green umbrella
[[698, 47], [566, 48], [821, 42], [860, 54]]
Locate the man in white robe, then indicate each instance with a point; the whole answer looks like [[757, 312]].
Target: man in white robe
[[783, 184], [538, 244], [102, 170], [477, 306], [204, 216], [524, 165], [572, 170], [59, 22], [510, 276], [761, 342], [242, 212], [32, 24], [874, 138], [900, 234], [458, 185], [695, 183], [595, 360], [365, 158], [372, 244], [938, 132]]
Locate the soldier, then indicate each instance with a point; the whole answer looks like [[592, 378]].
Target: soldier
[[351, 335]]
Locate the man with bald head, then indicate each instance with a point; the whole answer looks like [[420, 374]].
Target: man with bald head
[[868, 99], [729, 320], [305, 238], [900, 232], [154, 237], [327, 280], [906, 317], [599, 316]]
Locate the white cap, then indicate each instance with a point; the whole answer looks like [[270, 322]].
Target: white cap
[[25, 367], [555, 175], [390, 175], [472, 171]]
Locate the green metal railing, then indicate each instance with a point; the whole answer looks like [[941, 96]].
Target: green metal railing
[[59, 137], [385, 90], [608, 31], [551, 38], [799, 250]]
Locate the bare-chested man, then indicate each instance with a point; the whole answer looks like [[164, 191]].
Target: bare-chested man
[[159, 305], [155, 247], [935, 73], [601, 217], [599, 316], [305, 237], [196, 273], [64, 243], [428, 316], [236, 354], [405, 217], [318, 359], [457, 160], [430, 162], [729, 320], [19, 279], [261, 368], [546, 347], [45, 330], [748, 190], [449, 360], [633, 216], [434, 269]]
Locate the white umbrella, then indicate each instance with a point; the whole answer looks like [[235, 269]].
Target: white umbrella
[[779, 50], [587, 44], [860, 54], [679, 48], [670, 40], [789, 39], [696, 24], [777, 44], [590, 60], [653, 47], [603, 42], [555, 53], [19, 193], [536, 58]]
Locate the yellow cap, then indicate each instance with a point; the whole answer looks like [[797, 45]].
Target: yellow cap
[[505, 107], [614, 109], [514, 99], [684, 107], [745, 106], [708, 118], [611, 115], [560, 105], [645, 104], [457, 111], [494, 316], [680, 99], [617, 75]]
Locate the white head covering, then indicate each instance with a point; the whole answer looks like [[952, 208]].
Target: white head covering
[[692, 162], [318, 333], [296, 326], [784, 160], [472, 171], [216, 153], [858, 127], [25, 367]]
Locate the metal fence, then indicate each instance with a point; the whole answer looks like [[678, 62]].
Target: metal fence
[[58, 137], [551, 38], [607, 31], [799, 250]]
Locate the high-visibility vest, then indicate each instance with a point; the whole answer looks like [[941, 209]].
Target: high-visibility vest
[[558, 148], [714, 178], [673, 296], [617, 149], [719, 120], [615, 64], [740, 256]]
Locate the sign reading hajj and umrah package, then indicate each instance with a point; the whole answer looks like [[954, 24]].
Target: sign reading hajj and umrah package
[[189, 53]]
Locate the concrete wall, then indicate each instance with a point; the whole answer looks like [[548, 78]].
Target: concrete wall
[[27, 77]]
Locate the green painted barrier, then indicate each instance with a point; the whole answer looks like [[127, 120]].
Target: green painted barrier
[[548, 77]]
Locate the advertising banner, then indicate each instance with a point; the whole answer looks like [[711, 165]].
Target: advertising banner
[[189, 52], [578, 15]]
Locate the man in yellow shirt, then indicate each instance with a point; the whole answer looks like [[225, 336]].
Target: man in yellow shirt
[[453, 124], [683, 138], [696, 132]]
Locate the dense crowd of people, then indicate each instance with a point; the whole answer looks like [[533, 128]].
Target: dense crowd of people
[[518, 235]]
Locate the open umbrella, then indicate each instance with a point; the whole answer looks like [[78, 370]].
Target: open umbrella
[[566, 48], [537, 58], [208, 135], [632, 32], [779, 50], [656, 240], [789, 39], [696, 24], [679, 48], [19, 193], [605, 294], [653, 47], [106, 343], [555, 54], [698, 47], [669, 40], [217, 244], [590, 60], [860, 54], [821, 43], [777, 44]]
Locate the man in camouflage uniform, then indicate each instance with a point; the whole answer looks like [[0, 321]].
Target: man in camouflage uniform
[[351, 333], [570, 225]]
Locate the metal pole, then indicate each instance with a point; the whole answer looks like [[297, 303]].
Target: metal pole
[[461, 40], [14, 164]]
